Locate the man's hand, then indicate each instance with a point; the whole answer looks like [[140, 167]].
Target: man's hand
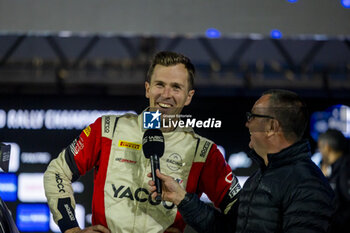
[[171, 190], [95, 228], [173, 230]]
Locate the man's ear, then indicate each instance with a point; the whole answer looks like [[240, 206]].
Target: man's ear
[[147, 87], [273, 127], [189, 97]]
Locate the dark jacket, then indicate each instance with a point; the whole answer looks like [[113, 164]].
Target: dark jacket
[[340, 182], [289, 195]]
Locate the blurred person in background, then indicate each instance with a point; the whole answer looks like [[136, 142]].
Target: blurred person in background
[[335, 165]]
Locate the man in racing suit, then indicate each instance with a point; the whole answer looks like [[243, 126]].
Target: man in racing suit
[[113, 147]]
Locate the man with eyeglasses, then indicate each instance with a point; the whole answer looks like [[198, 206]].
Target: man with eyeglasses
[[288, 192]]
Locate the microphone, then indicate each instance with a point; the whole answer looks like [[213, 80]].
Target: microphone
[[5, 156], [153, 149]]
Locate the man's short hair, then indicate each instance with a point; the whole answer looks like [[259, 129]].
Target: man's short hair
[[335, 140], [290, 111], [166, 58]]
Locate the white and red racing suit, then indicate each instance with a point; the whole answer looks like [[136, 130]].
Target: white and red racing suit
[[121, 200]]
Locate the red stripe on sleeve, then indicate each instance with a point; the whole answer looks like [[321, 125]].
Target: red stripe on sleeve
[[216, 177], [88, 147], [94, 154], [98, 202]]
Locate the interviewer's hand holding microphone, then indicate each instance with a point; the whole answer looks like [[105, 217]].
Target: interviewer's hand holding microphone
[[163, 187], [171, 191]]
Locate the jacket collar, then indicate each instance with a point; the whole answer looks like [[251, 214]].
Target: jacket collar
[[297, 151]]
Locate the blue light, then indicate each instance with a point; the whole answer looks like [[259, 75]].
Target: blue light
[[8, 186], [33, 217], [334, 117], [276, 34], [345, 3], [292, 1], [213, 33]]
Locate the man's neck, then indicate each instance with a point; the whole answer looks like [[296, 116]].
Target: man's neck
[[266, 161], [278, 145]]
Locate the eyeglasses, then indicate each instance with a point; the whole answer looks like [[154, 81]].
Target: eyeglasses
[[251, 115]]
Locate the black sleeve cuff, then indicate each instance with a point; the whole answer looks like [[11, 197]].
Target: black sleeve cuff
[[197, 214], [69, 156], [187, 199], [205, 218], [68, 220]]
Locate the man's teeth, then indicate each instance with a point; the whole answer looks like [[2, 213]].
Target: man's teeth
[[164, 105]]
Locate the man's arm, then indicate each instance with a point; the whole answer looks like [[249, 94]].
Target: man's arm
[[205, 218], [197, 214], [221, 186], [79, 157], [91, 229], [218, 182], [59, 192]]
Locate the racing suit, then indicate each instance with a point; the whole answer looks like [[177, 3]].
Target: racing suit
[[121, 200]]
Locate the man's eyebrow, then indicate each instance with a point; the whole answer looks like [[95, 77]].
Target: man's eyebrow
[[177, 84]]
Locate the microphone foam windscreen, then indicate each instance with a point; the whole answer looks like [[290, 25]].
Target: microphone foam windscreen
[[153, 143]]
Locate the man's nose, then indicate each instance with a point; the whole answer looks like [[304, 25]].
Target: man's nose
[[166, 92], [247, 124]]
